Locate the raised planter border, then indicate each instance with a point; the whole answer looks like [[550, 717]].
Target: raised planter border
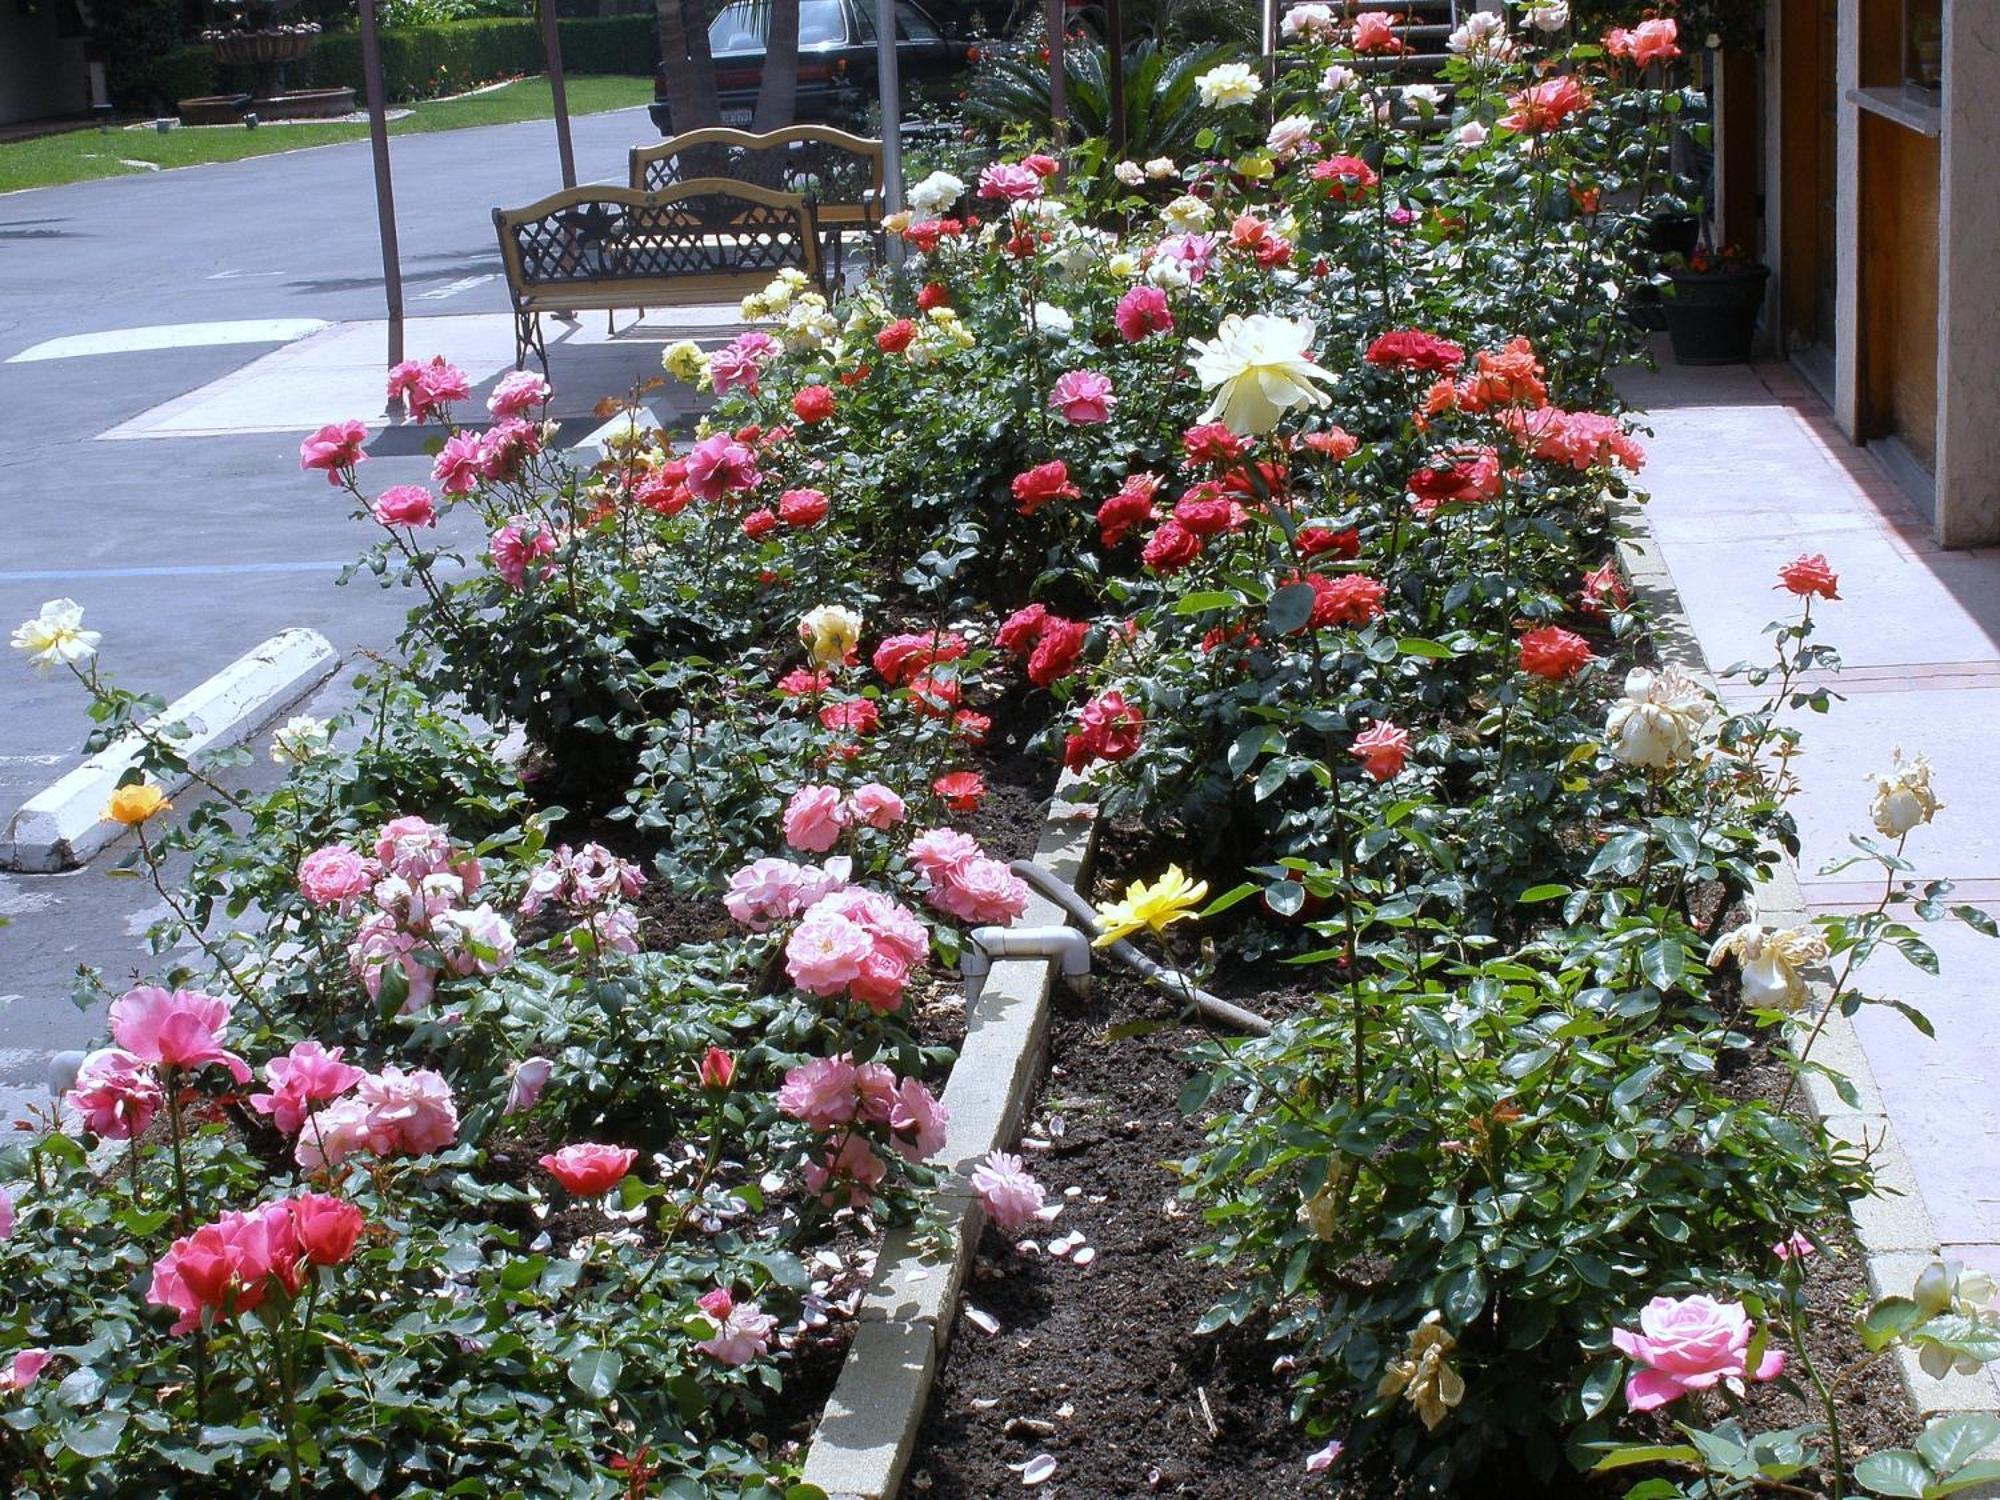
[[1892, 1224], [869, 1429]]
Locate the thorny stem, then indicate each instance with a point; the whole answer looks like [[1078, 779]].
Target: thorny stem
[[193, 930], [183, 1222], [151, 736], [1840, 983]]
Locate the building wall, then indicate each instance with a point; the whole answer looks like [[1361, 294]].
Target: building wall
[[41, 73]]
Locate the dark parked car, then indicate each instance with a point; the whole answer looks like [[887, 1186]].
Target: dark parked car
[[836, 58]]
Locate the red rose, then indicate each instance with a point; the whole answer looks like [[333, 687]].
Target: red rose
[[1058, 648], [854, 377], [899, 656], [1212, 443], [717, 1069], [1336, 443], [802, 507], [1207, 512], [1170, 548], [1601, 586], [1317, 541], [1018, 631], [971, 727], [326, 1227], [760, 524], [1553, 652], [813, 404], [1414, 349], [856, 716], [1131, 507], [1108, 728], [1382, 750], [896, 337], [588, 1169], [799, 683], [1464, 478], [1808, 575], [1351, 599], [961, 791], [1348, 178], [1043, 484], [933, 294], [933, 697]]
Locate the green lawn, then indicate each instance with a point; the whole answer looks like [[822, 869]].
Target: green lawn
[[82, 154]]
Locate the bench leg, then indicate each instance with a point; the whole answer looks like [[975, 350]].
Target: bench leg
[[528, 340]]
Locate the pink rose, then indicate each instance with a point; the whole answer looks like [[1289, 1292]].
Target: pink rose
[[826, 952], [518, 393], [525, 1082], [405, 505], [413, 847], [513, 550], [1006, 1190], [505, 446], [116, 1093], [720, 465], [822, 1092], [22, 1370], [326, 1227], [742, 1329], [854, 1166], [982, 891], [1690, 1344], [1143, 311], [875, 805], [174, 1029], [426, 389], [766, 891], [6, 1214], [335, 447], [1011, 182], [1195, 254], [460, 464], [1083, 397], [918, 1121], [815, 818], [335, 876], [414, 1110], [940, 853], [309, 1074], [226, 1268]]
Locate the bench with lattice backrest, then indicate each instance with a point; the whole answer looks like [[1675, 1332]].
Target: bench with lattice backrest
[[839, 174], [598, 249]]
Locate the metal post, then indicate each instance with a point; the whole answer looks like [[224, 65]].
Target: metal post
[[1267, 44], [552, 55], [385, 194], [1058, 77], [1114, 71], [889, 89]]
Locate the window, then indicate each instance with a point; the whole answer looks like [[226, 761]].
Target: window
[[745, 25], [912, 25]]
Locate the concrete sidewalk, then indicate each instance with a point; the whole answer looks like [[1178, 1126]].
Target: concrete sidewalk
[[1747, 471]]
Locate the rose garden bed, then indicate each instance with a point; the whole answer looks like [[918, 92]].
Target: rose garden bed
[[529, 1128]]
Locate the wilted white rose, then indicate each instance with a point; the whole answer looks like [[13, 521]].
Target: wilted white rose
[[1289, 136], [1770, 962], [1309, 20], [1552, 15], [1951, 1287], [1470, 135], [1337, 79], [1130, 173], [1161, 167], [299, 739]]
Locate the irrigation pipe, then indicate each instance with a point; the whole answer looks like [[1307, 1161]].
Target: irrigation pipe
[[1080, 912]]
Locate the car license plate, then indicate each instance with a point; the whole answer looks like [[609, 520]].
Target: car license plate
[[736, 117]]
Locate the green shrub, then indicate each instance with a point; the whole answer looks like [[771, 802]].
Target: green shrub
[[420, 62]]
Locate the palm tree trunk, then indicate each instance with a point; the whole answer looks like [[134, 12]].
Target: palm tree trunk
[[778, 89], [687, 64]]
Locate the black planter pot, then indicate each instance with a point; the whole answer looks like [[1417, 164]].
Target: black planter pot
[[1712, 315]]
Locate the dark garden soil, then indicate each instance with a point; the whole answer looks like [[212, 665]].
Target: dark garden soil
[[1098, 1366]]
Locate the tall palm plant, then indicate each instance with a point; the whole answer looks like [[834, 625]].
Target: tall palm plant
[[687, 63], [1162, 108]]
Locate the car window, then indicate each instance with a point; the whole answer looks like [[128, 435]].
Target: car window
[[912, 25], [744, 26]]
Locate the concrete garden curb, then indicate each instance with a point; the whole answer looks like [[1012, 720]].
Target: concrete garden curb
[[869, 1428], [1892, 1224], [63, 825]]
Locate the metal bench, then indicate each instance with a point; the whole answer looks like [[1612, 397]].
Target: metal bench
[[839, 174], [598, 249]]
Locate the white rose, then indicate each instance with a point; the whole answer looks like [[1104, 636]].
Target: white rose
[[1769, 962], [299, 739], [1130, 173], [1338, 80], [1903, 796], [935, 194], [1160, 167], [1656, 722], [1552, 15], [1228, 84]]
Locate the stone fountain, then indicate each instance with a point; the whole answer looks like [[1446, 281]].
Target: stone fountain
[[255, 34]]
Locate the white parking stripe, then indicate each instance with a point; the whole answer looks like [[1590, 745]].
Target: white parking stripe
[[171, 336]]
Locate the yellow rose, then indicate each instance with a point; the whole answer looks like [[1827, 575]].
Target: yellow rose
[[135, 802], [830, 633]]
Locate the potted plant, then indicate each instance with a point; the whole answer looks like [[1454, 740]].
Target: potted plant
[[1713, 305]]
